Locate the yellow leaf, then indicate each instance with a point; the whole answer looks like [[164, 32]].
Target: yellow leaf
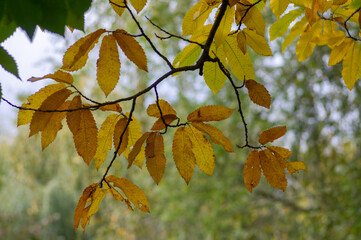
[[202, 150], [50, 131], [339, 52], [239, 63], [116, 195], [196, 16], [272, 134], [138, 4], [187, 56], [351, 71], [257, 42], [41, 119], [252, 171], [258, 93], [59, 76], [242, 41], [131, 49], [339, 2], [97, 198], [105, 137], [280, 27], [293, 167], [113, 107], [118, 6], [183, 156], [118, 131], [81, 204], [84, 129], [213, 75], [282, 152], [296, 30], [210, 113], [278, 7], [108, 65], [215, 134], [154, 153], [252, 18], [131, 191], [138, 146], [159, 125], [135, 133], [273, 169], [77, 55], [34, 101], [166, 108], [224, 26], [305, 44]]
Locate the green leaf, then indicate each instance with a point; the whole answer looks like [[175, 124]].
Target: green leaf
[[6, 28], [355, 4], [8, 63]]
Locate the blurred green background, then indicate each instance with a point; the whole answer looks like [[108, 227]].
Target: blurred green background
[[39, 190]]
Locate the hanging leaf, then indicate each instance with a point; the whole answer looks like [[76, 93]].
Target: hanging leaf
[[105, 137], [293, 167], [257, 42], [272, 134], [213, 75], [280, 27], [278, 7], [159, 125], [305, 44], [183, 156], [258, 93], [41, 119], [242, 41], [351, 71], [138, 4], [77, 55], [118, 6], [215, 134], [166, 108], [282, 152], [131, 48], [251, 17], [8, 62], [108, 65], [296, 31], [135, 133], [81, 204], [113, 107], [202, 150], [59, 76], [224, 26], [252, 171], [339, 52], [138, 146], [118, 131], [273, 169], [210, 113], [34, 102], [154, 153]]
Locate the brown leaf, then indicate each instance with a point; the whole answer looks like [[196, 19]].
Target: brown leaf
[[273, 169], [215, 134], [252, 171], [242, 41], [40, 120], [258, 93], [113, 107], [183, 156], [166, 108], [272, 134], [131, 49], [73, 118], [77, 55], [159, 125], [119, 129], [232, 2], [210, 113], [154, 153], [137, 148], [293, 167], [81, 204]]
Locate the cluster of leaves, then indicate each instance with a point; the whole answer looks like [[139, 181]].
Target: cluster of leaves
[[219, 52]]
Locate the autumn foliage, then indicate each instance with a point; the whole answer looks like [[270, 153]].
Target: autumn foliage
[[220, 52]]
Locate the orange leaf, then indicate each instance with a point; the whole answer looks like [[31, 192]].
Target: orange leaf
[[119, 129], [293, 167], [166, 108], [215, 134], [252, 171], [81, 204], [73, 118], [113, 107], [258, 93], [273, 169], [59, 76], [232, 2], [35, 101], [77, 55], [154, 153], [242, 41], [210, 113], [159, 125], [202, 150], [41, 119], [183, 156], [283, 152], [131, 191], [108, 65], [137, 148], [272, 134], [54, 125], [131, 49]]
